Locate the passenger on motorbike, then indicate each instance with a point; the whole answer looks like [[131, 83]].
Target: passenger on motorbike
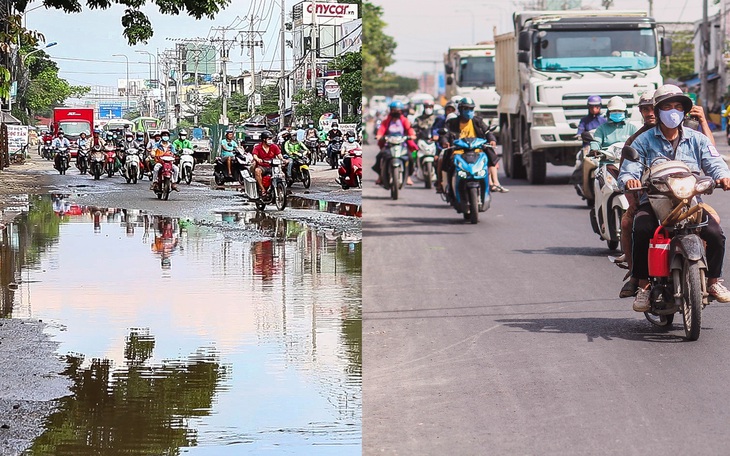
[[593, 120], [162, 149], [467, 125], [228, 150], [294, 147], [83, 141], [395, 124], [669, 139], [615, 130], [265, 150], [152, 143]]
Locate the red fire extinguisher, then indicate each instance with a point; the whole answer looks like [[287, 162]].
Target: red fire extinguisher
[[659, 253]]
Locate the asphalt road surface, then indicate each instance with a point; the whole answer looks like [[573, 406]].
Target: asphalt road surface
[[508, 337]]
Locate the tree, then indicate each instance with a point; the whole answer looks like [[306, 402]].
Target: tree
[[377, 47], [310, 106], [351, 80], [681, 62], [213, 108], [269, 100]]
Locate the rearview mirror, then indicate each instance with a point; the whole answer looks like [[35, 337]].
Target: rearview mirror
[[449, 80], [523, 57], [587, 136], [524, 41], [448, 69], [630, 154], [666, 44]]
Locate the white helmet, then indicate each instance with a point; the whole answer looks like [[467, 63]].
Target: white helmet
[[616, 104], [647, 98], [672, 92]]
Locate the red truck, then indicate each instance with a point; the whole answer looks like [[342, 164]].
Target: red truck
[[73, 121]]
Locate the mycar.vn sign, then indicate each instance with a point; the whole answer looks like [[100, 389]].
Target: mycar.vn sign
[[329, 13]]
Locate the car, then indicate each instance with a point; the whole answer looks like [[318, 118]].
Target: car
[[253, 131]]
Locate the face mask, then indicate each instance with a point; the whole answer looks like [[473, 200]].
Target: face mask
[[269, 141], [468, 114], [428, 111], [395, 114], [617, 116], [351, 139], [311, 126], [165, 138], [129, 139], [671, 118], [183, 138]]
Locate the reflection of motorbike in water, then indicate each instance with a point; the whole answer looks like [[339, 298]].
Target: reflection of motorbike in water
[[165, 240]]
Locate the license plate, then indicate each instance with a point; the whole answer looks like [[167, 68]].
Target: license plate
[[255, 135]]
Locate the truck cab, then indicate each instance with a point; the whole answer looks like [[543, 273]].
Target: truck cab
[[552, 63], [470, 72]]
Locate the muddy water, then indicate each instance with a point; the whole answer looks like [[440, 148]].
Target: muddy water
[[240, 334]]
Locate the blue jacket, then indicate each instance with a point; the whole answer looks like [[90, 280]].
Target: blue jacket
[[694, 149], [589, 123]]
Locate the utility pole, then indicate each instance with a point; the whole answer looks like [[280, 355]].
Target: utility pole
[[704, 50], [251, 42], [722, 67], [225, 47], [282, 82], [651, 8], [314, 48]]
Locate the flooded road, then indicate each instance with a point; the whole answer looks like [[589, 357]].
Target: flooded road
[[239, 333]]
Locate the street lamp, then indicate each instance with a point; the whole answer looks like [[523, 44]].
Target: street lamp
[[149, 92], [51, 44], [127, 80]]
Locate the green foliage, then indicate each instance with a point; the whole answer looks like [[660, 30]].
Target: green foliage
[[269, 100], [213, 108], [682, 60], [377, 47], [351, 80], [390, 84], [310, 106]]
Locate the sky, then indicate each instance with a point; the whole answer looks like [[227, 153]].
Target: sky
[[424, 29], [96, 35]]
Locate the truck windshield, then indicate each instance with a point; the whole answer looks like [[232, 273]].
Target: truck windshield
[[595, 50], [476, 71], [74, 128]]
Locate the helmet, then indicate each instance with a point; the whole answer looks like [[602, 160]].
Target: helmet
[[466, 103], [428, 103], [157, 133], [669, 92], [616, 104], [140, 134], [647, 99], [396, 104], [229, 131], [164, 132], [350, 133], [96, 131], [266, 135], [129, 133], [594, 100], [334, 125], [82, 133]]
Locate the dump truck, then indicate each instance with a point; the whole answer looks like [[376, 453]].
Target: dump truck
[[469, 73]]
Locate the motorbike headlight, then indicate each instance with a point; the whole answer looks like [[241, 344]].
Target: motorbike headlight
[[703, 185], [480, 173], [682, 187], [543, 119], [462, 174]]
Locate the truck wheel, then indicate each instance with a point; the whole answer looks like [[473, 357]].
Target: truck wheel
[[536, 168], [506, 141]]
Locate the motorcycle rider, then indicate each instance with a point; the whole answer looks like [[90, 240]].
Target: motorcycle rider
[[424, 126], [669, 139], [349, 145], [265, 150], [467, 125], [96, 139], [615, 130], [182, 141], [394, 124], [293, 146], [83, 141], [228, 150], [593, 120], [162, 149], [335, 134], [311, 133], [59, 142]]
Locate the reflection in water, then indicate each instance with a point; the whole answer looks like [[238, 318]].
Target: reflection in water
[[351, 210], [279, 301], [140, 409]]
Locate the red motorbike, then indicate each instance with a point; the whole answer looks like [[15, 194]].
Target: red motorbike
[[350, 170], [111, 157], [163, 186]]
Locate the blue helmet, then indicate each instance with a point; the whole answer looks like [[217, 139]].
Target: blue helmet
[[396, 104], [595, 100]]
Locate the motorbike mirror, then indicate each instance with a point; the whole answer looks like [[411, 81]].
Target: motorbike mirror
[[586, 136], [630, 154]]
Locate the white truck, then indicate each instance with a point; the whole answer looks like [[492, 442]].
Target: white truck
[[470, 73], [549, 66]]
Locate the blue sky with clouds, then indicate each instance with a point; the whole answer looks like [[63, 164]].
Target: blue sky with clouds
[[96, 35], [424, 29]]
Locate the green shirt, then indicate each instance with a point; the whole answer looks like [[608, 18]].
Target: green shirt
[[180, 145], [611, 133], [294, 148]]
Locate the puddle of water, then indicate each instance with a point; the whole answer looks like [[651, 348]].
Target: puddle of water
[[181, 337], [352, 210]]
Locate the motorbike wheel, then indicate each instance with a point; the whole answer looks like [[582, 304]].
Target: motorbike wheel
[[395, 175], [260, 205], [188, 176], [218, 177], [473, 205], [427, 174], [280, 196], [306, 178], [166, 188], [358, 179], [692, 280], [110, 171], [134, 172], [97, 173]]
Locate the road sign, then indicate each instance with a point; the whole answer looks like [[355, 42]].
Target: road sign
[[110, 111], [332, 89]]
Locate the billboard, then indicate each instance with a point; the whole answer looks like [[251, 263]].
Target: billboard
[[324, 13], [110, 111], [200, 56], [351, 36]]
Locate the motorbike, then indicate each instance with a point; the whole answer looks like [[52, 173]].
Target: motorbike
[[393, 164], [333, 151], [62, 159], [186, 165], [97, 161], [467, 188], [47, 150], [239, 167], [82, 160], [110, 165], [425, 157], [609, 202], [350, 170], [677, 258], [299, 170], [313, 146], [586, 191], [131, 168], [163, 186], [274, 187]]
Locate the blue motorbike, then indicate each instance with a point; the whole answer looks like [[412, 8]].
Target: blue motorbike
[[468, 189]]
